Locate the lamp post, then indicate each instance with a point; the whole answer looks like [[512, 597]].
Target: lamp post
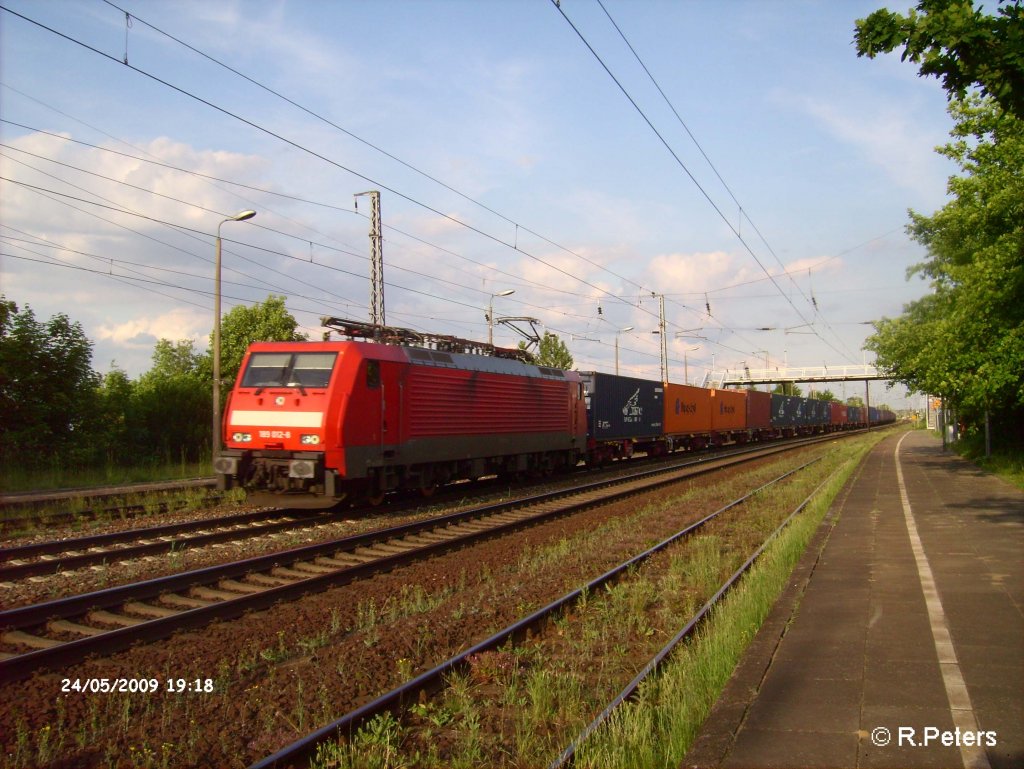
[[687, 333], [620, 331], [239, 217], [490, 313]]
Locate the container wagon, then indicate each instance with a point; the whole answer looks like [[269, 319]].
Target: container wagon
[[623, 415], [688, 420]]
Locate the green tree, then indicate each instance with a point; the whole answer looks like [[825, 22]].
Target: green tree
[[177, 358], [953, 40], [965, 340], [269, 321], [787, 388], [551, 352], [47, 388], [117, 436], [824, 395], [855, 400], [171, 404]]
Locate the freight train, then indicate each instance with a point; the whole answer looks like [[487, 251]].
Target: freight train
[[315, 423]]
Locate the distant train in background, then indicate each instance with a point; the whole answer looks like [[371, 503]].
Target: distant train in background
[[315, 423]]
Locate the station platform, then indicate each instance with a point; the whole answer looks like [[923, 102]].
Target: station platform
[[899, 641]]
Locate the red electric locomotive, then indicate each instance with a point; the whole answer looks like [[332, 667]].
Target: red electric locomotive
[[314, 423]]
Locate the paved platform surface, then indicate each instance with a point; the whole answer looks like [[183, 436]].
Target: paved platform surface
[[901, 629]]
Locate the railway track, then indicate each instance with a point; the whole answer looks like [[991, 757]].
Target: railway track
[[21, 509], [62, 632], [49, 557], [66, 554], [434, 679]]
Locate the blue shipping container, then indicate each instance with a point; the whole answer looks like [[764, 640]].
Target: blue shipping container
[[619, 408], [788, 411]]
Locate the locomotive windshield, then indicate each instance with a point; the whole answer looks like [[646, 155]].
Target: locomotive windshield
[[289, 369]]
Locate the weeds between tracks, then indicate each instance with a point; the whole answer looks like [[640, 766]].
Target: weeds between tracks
[[517, 705], [520, 706]]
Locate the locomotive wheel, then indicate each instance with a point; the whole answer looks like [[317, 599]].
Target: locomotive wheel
[[427, 490], [375, 498]]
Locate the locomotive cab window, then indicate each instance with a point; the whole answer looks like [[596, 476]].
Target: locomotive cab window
[[289, 369]]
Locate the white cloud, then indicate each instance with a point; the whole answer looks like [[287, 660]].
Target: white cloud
[[127, 170], [142, 332], [267, 29], [886, 135], [815, 264], [125, 320], [678, 273]]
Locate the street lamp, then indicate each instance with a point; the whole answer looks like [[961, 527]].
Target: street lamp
[[620, 331], [490, 313], [239, 217]]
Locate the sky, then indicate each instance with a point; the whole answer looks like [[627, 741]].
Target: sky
[[736, 158]]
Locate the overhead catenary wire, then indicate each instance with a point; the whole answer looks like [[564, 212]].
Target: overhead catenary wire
[[311, 152], [348, 301], [188, 232], [227, 240], [151, 159], [488, 266], [518, 278], [313, 113], [742, 211], [735, 230], [37, 240], [150, 281], [169, 166], [178, 227], [273, 134], [139, 159], [154, 193]]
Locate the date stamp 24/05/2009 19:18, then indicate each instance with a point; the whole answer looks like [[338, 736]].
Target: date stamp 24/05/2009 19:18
[[137, 685]]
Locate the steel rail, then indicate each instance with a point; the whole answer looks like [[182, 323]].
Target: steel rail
[[62, 545], [433, 679], [62, 654], [26, 500], [229, 528], [567, 757]]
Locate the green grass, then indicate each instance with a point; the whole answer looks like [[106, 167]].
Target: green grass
[[519, 706], [20, 519], [57, 476], [657, 728], [1007, 462]]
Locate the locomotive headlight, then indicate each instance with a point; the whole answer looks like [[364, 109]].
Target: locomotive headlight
[[310, 440], [241, 437]]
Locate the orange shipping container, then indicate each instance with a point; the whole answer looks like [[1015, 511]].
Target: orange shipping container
[[687, 410], [728, 410]]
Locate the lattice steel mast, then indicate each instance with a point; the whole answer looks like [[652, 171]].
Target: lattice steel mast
[[376, 260]]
